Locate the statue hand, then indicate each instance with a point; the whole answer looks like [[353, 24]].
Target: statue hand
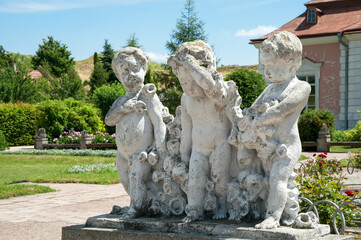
[[140, 107]]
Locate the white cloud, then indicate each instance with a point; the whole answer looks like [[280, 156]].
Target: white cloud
[[255, 32], [26, 6], [157, 57]]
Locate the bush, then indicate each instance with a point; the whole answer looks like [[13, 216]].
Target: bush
[[310, 122], [250, 85], [58, 116], [322, 179], [19, 123], [338, 136], [355, 133], [3, 143], [103, 98]]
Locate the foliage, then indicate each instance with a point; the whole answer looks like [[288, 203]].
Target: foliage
[[322, 179], [106, 59], [67, 85], [57, 116], [104, 96], [65, 152], [310, 122], [98, 168], [189, 28], [19, 123], [355, 133], [55, 55], [338, 136], [4, 57], [23, 60], [68, 137], [132, 41], [40, 169], [18, 86], [3, 143], [356, 159], [250, 85], [100, 137], [98, 77]]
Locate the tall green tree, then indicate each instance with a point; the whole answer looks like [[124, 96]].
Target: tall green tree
[[4, 57], [99, 75], [132, 41], [189, 28], [56, 55], [106, 59]]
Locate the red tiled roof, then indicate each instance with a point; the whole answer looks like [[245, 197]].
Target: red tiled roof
[[334, 16], [35, 74]]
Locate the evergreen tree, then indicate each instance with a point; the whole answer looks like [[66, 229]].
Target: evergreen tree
[[95, 58], [99, 75], [132, 41], [106, 59], [4, 57], [55, 55], [189, 28]]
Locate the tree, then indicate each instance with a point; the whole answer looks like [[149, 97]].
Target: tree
[[188, 28], [4, 57], [250, 85], [55, 55], [132, 41], [106, 59], [99, 75]]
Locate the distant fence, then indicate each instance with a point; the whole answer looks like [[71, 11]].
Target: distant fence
[[42, 142]]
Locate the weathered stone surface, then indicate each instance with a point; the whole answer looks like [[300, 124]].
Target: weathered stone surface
[[174, 228]]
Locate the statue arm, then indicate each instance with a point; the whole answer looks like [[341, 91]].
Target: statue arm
[[155, 114], [186, 136], [120, 108], [296, 100]]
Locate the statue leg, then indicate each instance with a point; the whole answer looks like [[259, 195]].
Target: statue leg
[[198, 169], [122, 166], [220, 163], [277, 198]]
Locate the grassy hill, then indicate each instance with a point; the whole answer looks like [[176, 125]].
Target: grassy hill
[[85, 68]]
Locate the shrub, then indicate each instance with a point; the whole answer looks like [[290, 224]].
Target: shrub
[[338, 136], [250, 85], [100, 137], [3, 143], [104, 96], [94, 168], [65, 152], [322, 179], [355, 133], [356, 159], [68, 137], [58, 116], [310, 122], [19, 123]]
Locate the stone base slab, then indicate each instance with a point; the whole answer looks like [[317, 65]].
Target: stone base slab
[[112, 227]]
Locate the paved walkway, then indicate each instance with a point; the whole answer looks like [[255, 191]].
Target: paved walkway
[[41, 216]]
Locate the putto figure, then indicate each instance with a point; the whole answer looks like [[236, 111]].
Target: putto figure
[[140, 130], [270, 124], [206, 126]]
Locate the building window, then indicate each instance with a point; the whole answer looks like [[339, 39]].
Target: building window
[[311, 16], [311, 104]]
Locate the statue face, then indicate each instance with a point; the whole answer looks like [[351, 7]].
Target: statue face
[[189, 86], [276, 69], [131, 73]]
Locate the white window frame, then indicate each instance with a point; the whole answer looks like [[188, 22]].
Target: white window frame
[[310, 68]]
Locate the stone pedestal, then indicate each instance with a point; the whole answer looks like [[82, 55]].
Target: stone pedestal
[[111, 227]]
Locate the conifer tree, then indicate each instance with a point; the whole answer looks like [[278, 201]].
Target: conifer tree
[[106, 59], [189, 28], [132, 41], [99, 75]]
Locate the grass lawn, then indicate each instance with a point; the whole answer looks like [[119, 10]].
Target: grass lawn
[[344, 149], [48, 168]]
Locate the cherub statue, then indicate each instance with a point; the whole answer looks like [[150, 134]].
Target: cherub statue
[[206, 124], [274, 116], [140, 130]]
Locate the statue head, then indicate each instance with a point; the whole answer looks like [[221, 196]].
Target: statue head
[[130, 66], [281, 54]]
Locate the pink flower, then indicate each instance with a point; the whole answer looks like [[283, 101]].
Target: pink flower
[[349, 193], [55, 139]]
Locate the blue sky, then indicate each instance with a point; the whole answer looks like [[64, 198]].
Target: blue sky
[[83, 25]]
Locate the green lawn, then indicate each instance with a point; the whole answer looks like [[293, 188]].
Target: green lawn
[[48, 168], [344, 149]]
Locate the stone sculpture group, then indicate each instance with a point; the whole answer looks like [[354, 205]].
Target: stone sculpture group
[[213, 159]]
